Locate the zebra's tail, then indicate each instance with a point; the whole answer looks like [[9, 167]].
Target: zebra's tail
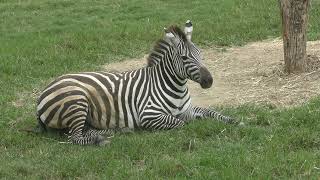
[[41, 127]]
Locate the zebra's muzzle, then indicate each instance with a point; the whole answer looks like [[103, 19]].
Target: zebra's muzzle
[[205, 78]]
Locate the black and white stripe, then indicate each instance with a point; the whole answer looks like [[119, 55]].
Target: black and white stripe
[[92, 104]]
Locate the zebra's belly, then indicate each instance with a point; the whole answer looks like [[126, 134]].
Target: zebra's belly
[[122, 118]]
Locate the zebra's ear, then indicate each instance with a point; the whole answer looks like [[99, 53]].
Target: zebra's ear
[[188, 30], [171, 37]]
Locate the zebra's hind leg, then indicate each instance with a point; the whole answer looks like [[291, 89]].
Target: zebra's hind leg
[[106, 134], [77, 135], [98, 132]]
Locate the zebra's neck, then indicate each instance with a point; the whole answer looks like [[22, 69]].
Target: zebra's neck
[[161, 64]]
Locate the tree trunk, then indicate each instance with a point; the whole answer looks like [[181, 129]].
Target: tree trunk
[[294, 14]]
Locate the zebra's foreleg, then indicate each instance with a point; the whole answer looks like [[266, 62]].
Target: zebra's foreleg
[[199, 113], [155, 121]]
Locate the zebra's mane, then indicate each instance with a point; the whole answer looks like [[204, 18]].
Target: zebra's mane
[[173, 29], [177, 31]]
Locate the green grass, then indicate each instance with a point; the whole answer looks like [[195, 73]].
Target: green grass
[[41, 39], [274, 143]]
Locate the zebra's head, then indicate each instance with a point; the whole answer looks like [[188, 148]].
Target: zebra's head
[[188, 61]]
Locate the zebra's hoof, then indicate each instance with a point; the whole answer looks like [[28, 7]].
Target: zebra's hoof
[[101, 141], [104, 143], [233, 121]]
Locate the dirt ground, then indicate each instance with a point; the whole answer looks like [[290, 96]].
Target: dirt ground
[[249, 74]]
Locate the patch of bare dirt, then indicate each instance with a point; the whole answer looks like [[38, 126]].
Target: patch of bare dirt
[[250, 74]]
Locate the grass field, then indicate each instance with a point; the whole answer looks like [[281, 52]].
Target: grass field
[[41, 39]]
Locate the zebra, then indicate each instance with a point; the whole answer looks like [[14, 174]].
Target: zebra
[[155, 97]]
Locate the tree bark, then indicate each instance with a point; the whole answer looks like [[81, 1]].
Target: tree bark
[[294, 14]]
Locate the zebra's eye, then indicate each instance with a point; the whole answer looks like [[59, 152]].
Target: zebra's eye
[[184, 57]]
